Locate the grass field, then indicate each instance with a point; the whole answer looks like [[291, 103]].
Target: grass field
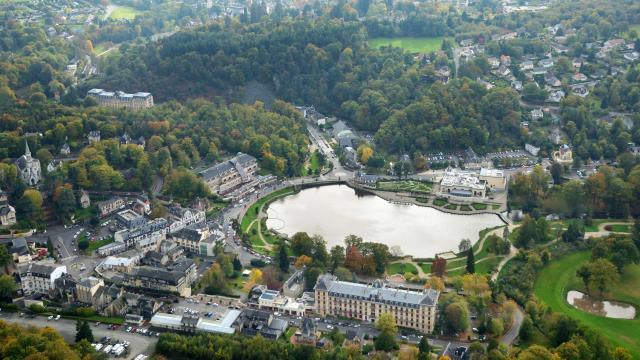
[[619, 228], [124, 12], [400, 268], [440, 202], [251, 228], [557, 278], [404, 185], [411, 44]]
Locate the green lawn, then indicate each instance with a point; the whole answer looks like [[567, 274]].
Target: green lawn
[[465, 208], [400, 268], [479, 206], [124, 12], [596, 222], [95, 245], [404, 185], [619, 228], [250, 227], [557, 278], [451, 207], [411, 44], [440, 202]]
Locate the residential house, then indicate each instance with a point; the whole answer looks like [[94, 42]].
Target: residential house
[[526, 65], [65, 150], [537, 114], [20, 251], [552, 80], [579, 77], [516, 85], [555, 96], [94, 136], [532, 149], [545, 63], [191, 237], [632, 56], [505, 60], [308, 334], [494, 62], [130, 219], [257, 322], [563, 155], [110, 206], [39, 277], [443, 74], [580, 90], [7, 215], [85, 200]]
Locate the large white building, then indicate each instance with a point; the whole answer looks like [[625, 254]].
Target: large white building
[[40, 277], [462, 184], [180, 217], [411, 309], [494, 179], [119, 99], [28, 168]]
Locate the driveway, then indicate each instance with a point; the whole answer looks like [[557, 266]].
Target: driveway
[[513, 332]]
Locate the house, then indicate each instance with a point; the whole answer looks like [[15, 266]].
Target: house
[[610, 44], [110, 206], [516, 85], [28, 167], [443, 74], [125, 139], [632, 56], [545, 63], [191, 237], [411, 309], [85, 200], [350, 157], [53, 165], [539, 71], [130, 219], [580, 90], [494, 62], [65, 150], [94, 136], [556, 96], [579, 77], [87, 290], [308, 334], [503, 71], [179, 217], [145, 237], [537, 114], [552, 80], [142, 205], [39, 277], [577, 64], [20, 251], [224, 177], [257, 322], [563, 155], [7, 215], [526, 65], [505, 60]]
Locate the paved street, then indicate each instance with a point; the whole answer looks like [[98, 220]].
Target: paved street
[[140, 344]]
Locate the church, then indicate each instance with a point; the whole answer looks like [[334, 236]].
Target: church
[[28, 167]]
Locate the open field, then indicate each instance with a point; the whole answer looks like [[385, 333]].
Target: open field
[[400, 268], [557, 278], [411, 44], [123, 12], [404, 185]]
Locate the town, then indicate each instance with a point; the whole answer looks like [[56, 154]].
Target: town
[[340, 179]]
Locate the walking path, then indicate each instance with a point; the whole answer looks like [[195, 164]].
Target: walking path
[[602, 232]]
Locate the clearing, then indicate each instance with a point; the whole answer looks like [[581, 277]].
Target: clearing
[[121, 12], [411, 44], [404, 185]]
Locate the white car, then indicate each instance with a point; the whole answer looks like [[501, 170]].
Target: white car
[[50, 318], [57, 318]]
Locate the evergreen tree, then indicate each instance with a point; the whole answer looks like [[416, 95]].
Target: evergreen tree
[[471, 262], [83, 331], [424, 349], [237, 265], [283, 258]]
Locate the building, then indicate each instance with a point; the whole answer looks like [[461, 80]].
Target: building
[[130, 219], [28, 167], [537, 114], [462, 184], [87, 289], [145, 237], [350, 157], [108, 207], [85, 200], [308, 334], [176, 278], [532, 149], [191, 237], [411, 309], [65, 150], [231, 174], [180, 217], [563, 155], [190, 324], [7, 215], [94, 136], [257, 322], [20, 250], [119, 99], [494, 179], [40, 277]]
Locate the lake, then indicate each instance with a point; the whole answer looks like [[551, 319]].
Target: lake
[[336, 211]]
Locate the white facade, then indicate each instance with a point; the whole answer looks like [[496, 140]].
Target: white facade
[[40, 277]]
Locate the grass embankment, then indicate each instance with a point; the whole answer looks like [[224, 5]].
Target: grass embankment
[[405, 186], [95, 245], [557, 278], [402, 268], [251, 226], [411, 44]]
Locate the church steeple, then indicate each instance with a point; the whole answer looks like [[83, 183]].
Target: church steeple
[[27, 152]]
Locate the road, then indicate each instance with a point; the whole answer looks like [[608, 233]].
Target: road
[[513, 332], [140, 344]]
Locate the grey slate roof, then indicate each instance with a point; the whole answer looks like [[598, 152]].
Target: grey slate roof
[[226, 166], [376, 292]]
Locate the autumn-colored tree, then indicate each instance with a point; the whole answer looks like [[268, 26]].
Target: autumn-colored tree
[[439, 266], [354, 259], [254, 278], [303, 260], [435, 283]]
